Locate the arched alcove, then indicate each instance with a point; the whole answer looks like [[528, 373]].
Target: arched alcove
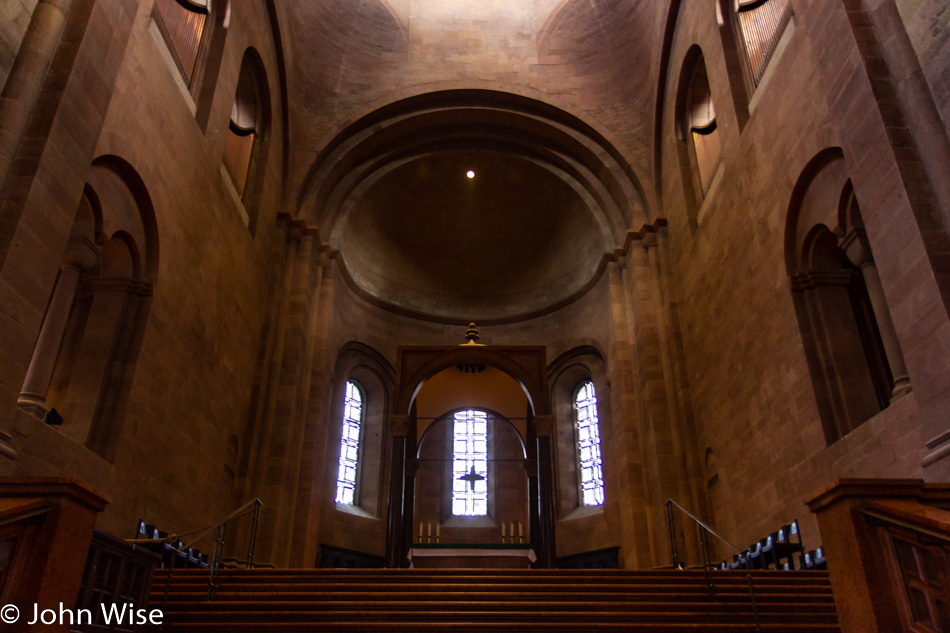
[[84, 360], [440, 466], [852, 351]]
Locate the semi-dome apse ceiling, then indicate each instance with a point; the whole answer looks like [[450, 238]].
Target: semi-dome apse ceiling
[[511, 240], [551, 200]]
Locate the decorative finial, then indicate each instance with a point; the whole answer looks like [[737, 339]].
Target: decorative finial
[[471, 335]]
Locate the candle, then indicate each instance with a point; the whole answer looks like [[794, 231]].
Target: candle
[[519, 529], [420, 530], [430, 529], [502, 531], [511, 530], [437, 527]]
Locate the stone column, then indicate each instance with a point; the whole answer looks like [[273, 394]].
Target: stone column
[[856, 248], [40, 372], [547, 554], [399, 425], [27, 75]]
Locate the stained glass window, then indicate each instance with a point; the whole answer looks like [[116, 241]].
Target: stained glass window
[[588, 446], [470, 459], [350, 444]]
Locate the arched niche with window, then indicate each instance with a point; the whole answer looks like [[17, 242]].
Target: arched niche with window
[[578, 391], [471, 477], [852, 349], [84, 359], [759, 25], [193, 32], [246, 138], [355, 452], [697, 130]]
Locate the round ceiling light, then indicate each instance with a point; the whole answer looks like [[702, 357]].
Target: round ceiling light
[[470, 173]]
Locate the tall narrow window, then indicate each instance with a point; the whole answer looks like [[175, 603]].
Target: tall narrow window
[[242, 129], [470, 464], [350, 444], [703, 132], [588, 446], [762, 23], [182, 24]]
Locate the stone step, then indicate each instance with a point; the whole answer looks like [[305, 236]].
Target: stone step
[[275, 601]]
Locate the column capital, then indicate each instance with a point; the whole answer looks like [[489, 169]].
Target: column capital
[[544, 425], [399, 425], [856, 247]]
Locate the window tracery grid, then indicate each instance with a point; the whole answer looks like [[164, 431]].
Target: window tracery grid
[[588, 446], [470, 454], [350, 444]]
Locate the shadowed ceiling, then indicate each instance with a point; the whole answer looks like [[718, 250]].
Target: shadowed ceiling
[[552, 197]]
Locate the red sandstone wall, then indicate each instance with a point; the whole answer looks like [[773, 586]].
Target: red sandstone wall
[[196, 368], [14, 18], [737, 370], [928, 27], [751, 389]]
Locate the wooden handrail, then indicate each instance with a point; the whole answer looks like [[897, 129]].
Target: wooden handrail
[[911, 515]]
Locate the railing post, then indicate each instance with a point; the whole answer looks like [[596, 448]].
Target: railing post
[[707, 567], [674, 555], [216, 562], [252, 543], [704, 545], [755, 608], [168, 582]]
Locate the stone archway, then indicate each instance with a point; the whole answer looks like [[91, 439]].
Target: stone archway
[[526, 365]]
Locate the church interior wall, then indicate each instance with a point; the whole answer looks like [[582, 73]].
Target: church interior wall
[[15, 19], [689, 333], [751, 390], [189, 397]]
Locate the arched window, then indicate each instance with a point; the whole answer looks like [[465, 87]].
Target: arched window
[[590, 467], [470, 463], [242, 129], [761, 23], [246, 139], [184, 26], [701, 126], [193, 32], [350, 444]]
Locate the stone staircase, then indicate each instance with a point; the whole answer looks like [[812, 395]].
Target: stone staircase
[[493, 600]]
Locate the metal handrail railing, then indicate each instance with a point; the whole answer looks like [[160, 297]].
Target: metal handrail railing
[[253, 506], [704, 531]]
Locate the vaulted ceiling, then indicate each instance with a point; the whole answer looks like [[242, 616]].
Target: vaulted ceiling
[[548, 101]]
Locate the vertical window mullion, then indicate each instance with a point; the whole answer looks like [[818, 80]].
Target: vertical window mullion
[[348, 471], [590, 464], [470, 453]]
